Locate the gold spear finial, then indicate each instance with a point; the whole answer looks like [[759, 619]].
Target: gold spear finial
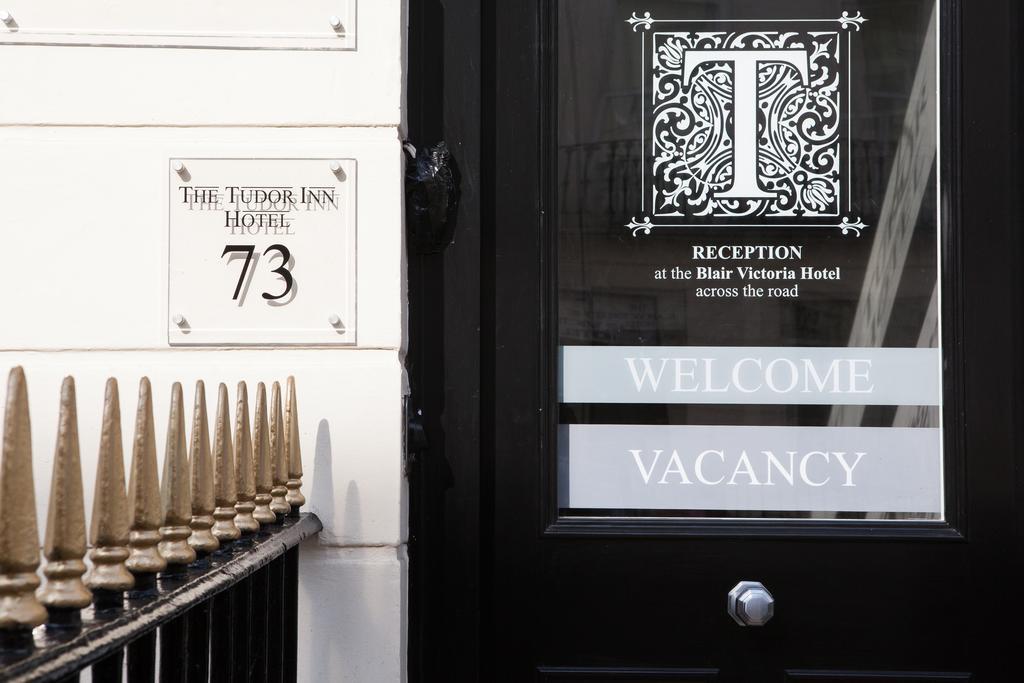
[[65, 524], [175, 491], [202, 539], [245, 477], [261, 456], [291, 443], [224, 528], [110, 526], [144, 560], [19, 535], [279, 457]]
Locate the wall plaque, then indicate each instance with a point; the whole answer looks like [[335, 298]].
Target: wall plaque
[[262, 251], [761, 182], [236, 24]]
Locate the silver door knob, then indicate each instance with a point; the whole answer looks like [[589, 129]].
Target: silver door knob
[[750, 604]]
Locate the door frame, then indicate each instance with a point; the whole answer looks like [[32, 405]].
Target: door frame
[[447, 353]]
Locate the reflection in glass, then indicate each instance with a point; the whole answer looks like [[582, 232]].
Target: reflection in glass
[[619, 286]]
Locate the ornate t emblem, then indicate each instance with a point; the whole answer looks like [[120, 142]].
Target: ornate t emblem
[[746, 126]]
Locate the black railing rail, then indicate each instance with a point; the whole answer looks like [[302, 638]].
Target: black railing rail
[[176, 589], [209, 610]]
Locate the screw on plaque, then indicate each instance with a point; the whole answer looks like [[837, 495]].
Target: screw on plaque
[[179, 168]]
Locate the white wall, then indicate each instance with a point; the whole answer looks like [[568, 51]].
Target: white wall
[[85, 135]]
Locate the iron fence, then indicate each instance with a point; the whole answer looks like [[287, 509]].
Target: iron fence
[[192, 575]]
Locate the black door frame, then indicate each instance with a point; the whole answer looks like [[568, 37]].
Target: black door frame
[[448, 351], [454, 87]]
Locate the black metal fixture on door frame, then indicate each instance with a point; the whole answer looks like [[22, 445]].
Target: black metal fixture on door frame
[[431, 197]]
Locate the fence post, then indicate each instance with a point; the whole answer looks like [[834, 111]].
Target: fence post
[[144, 560], [245, 477], [109, 577], [291, 615], [224, 494], [199, 641], [19, 535], [279, 457], [261, 455], [275, 620], [260, 613], [223, 612], [64, 594], [291, 442], [202, 540], [175, 492]]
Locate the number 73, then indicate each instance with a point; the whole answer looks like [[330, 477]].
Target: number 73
[[282, 270]]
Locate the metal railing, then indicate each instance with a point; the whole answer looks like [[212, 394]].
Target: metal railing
[[194, 577]]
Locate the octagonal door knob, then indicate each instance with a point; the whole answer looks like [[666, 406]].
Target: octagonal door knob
[[750, 604]]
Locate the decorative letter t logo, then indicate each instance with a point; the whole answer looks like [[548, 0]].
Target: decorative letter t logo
[[744, 101]]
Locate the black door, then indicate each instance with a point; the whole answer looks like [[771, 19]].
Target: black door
[[734, 298]]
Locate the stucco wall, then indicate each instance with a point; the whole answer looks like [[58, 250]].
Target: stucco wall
[[85, 137]]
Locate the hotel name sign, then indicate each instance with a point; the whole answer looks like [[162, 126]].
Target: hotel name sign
[[261, 251]]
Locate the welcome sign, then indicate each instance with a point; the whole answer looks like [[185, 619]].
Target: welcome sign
[[778, 188]]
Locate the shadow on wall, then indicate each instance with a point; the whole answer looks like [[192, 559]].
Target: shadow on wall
[[321, 498], [325, 496], [347, 595]]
